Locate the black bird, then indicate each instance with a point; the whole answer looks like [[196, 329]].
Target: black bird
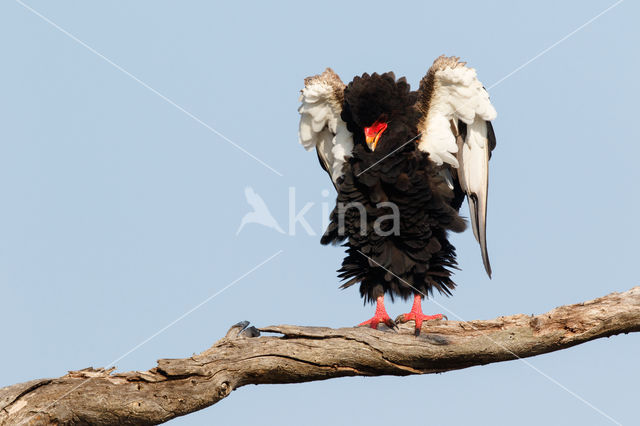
[[402, 163]]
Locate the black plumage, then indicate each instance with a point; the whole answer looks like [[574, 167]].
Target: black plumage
[[418, 258]]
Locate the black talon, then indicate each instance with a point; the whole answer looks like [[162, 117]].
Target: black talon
[[392, 324]]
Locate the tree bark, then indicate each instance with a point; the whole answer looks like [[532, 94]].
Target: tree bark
[[300, 354]]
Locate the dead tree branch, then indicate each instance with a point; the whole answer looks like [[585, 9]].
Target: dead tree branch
[[300, 354]]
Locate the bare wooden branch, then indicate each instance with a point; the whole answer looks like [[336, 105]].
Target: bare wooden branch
[[300, 354]]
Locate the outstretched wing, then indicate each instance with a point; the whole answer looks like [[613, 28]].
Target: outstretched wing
[[320, 123], [456, 132]]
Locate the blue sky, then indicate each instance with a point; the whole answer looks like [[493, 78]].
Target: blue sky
[[120, 205]]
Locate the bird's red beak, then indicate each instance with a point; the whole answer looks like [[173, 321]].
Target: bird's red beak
[[372, 133]]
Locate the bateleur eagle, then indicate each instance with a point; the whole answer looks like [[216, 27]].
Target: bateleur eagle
[[402, 163]]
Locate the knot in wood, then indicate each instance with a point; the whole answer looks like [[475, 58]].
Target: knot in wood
[[224, 389]]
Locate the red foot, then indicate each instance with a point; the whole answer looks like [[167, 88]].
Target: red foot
[[417, 315], [380, 316]]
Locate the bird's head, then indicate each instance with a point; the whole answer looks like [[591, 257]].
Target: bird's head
[[373, 133], [372, 103]]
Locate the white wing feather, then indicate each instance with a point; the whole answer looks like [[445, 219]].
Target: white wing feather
[[474, 178], [320, 123], [451, 93]]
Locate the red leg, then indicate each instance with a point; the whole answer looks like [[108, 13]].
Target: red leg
[[417, 315], [381, 316]]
